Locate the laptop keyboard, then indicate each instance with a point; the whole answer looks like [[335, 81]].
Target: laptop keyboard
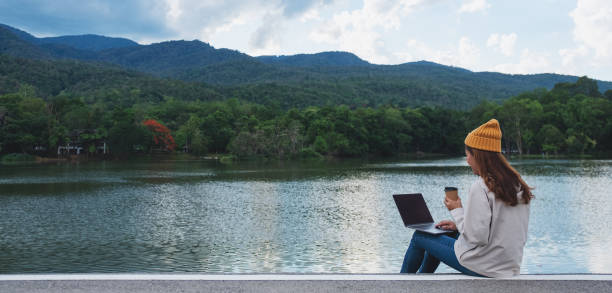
[[425, 226]]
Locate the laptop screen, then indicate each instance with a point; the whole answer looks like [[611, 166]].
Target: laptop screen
[[412, 208]]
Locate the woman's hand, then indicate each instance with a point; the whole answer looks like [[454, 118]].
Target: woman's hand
[[452, 204], [447, 225]]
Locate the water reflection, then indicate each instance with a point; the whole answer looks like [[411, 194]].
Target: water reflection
[[187, 216]]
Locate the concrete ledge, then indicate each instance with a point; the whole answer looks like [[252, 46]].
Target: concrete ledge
[[300, 283]]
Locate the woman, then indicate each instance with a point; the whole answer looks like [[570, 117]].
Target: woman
[[491, 230]]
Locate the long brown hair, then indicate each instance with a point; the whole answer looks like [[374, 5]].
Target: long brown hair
[[500, 177]]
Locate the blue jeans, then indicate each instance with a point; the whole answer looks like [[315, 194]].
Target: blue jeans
[[426, 251]]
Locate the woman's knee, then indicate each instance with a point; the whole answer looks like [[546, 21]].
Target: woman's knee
[[419, 237], [419, 234], [416, 235]]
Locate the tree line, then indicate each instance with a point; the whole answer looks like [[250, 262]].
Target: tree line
[[571, 118]]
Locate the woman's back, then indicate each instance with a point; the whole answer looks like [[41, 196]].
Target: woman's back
[[493, 233]]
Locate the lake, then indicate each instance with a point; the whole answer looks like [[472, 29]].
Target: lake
[[163, 215]]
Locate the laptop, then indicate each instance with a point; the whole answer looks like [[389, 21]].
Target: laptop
[[415, 214]]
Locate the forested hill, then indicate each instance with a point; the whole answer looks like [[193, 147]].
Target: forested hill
[[81, 42], [13, 44], [318, 59], [168, 59], [95, 84], [328, 78]]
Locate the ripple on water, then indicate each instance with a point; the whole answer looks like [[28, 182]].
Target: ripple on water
[[193, 217]]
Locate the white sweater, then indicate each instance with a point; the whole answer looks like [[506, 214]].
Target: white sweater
[[493, 234]]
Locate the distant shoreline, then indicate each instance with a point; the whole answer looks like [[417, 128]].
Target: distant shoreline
[[230, 159]]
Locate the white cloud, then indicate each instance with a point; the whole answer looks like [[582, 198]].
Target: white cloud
[[311, 14], [266, 39], [593, 26], [529, 63], [592, 37], [468, 53], [359, 31], [417, 51], [503, 43], [464, 54], [469, 6], [202, 19], [174, 10], [493, 40], [261, 23], [569, 56], [301, 7]]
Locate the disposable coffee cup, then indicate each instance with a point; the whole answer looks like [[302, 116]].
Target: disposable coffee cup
[[451, 193]]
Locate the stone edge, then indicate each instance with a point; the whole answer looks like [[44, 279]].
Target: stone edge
[[289, 277]]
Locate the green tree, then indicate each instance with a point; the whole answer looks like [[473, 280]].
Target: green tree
[[218, 126], [190, 136], [25, 122], [246, 144], [320, 145], [608, 95], [551, 139], [517, 115], [126, 133]]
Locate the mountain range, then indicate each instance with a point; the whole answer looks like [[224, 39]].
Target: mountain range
[[288, 81]]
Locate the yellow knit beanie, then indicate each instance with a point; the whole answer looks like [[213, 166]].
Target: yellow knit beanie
[[486, 137]]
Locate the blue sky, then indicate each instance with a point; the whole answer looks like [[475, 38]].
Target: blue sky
[[558, 36]]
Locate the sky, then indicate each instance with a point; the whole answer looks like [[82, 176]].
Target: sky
[[510, 36]]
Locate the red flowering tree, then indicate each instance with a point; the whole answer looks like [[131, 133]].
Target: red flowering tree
[[161, 134]]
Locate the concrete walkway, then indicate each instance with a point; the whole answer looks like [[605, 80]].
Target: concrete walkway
[[296, 283]]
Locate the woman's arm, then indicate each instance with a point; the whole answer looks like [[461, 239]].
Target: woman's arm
[[458, 216], [447, 225], [456, 209], [474, 221]]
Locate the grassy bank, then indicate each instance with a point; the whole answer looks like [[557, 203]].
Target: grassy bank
[[17, 158]]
